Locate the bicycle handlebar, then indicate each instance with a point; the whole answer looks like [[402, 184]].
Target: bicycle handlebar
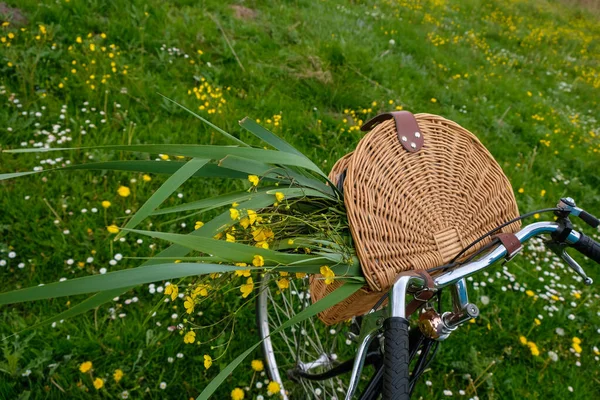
[[588, 247], [579, 241]]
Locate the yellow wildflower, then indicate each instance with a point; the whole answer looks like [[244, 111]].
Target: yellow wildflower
[[124, 191], [252, 216], [576, 340], [42, 29], [172, 290], [92, 47], [536, 216], [235, 204], [189, 304], [200, 290], [283, 284], [242, 272], [234, 214], [523, 339], [237, 394], [279, 196], [257, 365], [118, 375], [273, 388], [245, 222], [533, 348], [253, 179], [262, 234], [258, 261], [300, 275], [106, 204], [164, 157], [543, 193], [189, 337], [327, 274], [537, 322], [112, 228], [530, 293], [263, 245], [78, 40], [247, 288], [98, 383], [198, 225], [85, 366], [207, 361], [290, 242], [146, 178], [230, 238], [433, 100], [521, 190]]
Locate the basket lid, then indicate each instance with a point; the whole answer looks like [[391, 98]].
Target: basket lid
[[412, 208]]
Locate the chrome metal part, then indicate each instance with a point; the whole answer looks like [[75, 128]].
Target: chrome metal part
[[359, 361], [561, 251], [398, 294], [454, 319], [460, 297], [499, 252]]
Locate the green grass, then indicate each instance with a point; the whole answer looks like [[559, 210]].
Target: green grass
[[523, 76]]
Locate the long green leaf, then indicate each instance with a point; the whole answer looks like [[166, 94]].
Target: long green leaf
[[159, 167], [113, 280], [17, 174], [91, 302], [213, 202], [268, 137], [163, 192], [228, 135], [234, 252], [198, 151], [338, 295]]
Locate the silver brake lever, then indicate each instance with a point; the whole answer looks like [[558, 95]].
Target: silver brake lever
[[561, 251]]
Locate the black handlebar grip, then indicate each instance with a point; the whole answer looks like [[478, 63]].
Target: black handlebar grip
[[396, 383], [589, 219], [588, 247]]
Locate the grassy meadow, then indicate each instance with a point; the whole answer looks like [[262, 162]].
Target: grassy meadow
[[524, 76]]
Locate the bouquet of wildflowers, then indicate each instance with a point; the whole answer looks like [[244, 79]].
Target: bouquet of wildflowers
[[289, 222]]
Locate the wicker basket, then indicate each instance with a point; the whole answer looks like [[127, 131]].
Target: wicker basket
[[418, 189]]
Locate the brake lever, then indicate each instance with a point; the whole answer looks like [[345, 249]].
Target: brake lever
[[560, 250]]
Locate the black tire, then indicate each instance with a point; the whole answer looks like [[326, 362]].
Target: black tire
[[396, 357]]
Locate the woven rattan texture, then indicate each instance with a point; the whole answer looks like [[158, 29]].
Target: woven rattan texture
[[417, 210], [357, 304]]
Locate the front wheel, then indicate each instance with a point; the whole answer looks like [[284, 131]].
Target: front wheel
[[396, 358]]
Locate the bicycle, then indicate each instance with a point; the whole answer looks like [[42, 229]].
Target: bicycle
[[306, 365]]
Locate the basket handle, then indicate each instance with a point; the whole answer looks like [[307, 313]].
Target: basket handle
[[409, 133]]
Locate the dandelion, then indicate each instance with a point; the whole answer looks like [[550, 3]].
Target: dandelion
[[537, 322], [198, 225], [279, 196], [577, 348], [78, 40], [543, 193], [253, 179], [189, 304], [92, 47], [576, 340], [189, 337], [258, 261], [123, 191], [146, 178], [247, 288], [85, 366], [237, 394], [234, 214], [327, 274], [553, 356], [164, 157], [273, 388], [98, 383], [257, 365], [533, 348], [207, 361], [106, 204], [172, 290], [112, 229], [433, 100], [118, 375], [530, 293], [163, 385], [521, 190], [523, 340]]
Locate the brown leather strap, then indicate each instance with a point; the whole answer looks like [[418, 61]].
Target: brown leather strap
[[409, 133], [511, 242], [423, 296]]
